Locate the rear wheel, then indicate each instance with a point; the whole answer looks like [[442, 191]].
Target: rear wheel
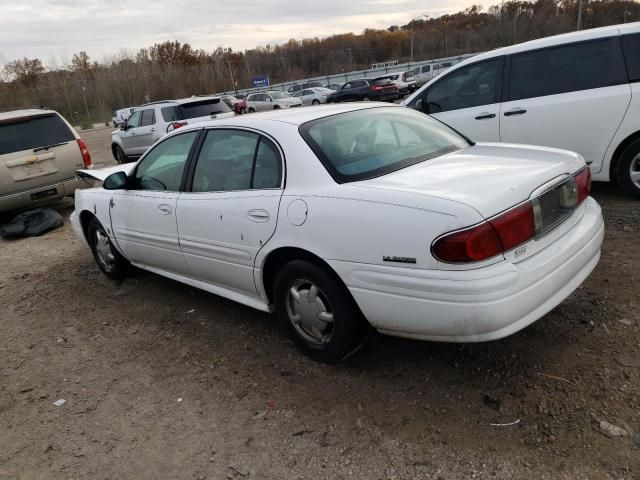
[[112, 264], [119, 155], [251, 110], [276, 107], [319, 314], [628, 171], [315, 102], [365, 98], [243, 111]]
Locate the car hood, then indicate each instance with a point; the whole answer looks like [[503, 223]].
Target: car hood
[[487, 177]]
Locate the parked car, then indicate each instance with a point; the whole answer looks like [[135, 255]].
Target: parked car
[[154, 120], [314, 96], [387, 219], [365, 89], [425, 73], [577, 91], [405, 82], [258, 102], [39, 154], [301, 86], [121, 116], [334, 86], [238, 105]]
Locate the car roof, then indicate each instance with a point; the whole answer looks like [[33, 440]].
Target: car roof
[[24, 112], [296, 116], [180, 101]]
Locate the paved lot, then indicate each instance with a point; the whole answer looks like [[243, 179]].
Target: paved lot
[[161, 380]]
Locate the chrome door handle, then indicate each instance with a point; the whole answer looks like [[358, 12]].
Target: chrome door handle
[[485, 115], [258, 215], [153, 129], [164, 209], [515, 111]]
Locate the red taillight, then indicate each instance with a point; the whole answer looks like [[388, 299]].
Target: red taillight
[[472, 245], [583, 181], [515, 226], [86, 156], [488, 239], [177, 125]]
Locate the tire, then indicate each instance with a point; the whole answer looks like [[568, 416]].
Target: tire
[[251, 110], [243, 111], [343, 329], [365, 98], [315, 102], [119, 155], [628, 169], [112, 264], [276, 107]]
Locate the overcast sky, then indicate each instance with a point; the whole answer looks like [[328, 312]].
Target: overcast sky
[[56, 29]]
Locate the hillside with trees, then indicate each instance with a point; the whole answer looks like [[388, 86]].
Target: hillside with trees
[[85, 90]]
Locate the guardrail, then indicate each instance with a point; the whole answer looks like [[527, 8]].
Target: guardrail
[[346, 76]]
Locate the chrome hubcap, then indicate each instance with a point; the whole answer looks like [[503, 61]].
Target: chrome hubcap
[[104, 250], [309, 312], [634, 171]]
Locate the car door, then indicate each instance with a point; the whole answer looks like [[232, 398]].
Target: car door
[[230, 212], [143, 217], [467, 99], [571, 96], [144, 135], [345, 92], [307, 97], [128, 133]]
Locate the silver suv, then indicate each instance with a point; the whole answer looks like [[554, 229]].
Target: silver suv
[[39, 154], [151, 121]]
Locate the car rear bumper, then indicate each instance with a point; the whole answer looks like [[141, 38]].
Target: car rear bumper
[[481, 304], [40, 195]]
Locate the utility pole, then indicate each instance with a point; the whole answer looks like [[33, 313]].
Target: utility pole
[[233, 82], [579, 25], [413, 32]]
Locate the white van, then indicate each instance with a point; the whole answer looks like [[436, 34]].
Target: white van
[[579, 91]]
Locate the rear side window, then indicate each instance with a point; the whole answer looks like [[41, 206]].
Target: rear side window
[[171, 114], [236, 160], [631, 47], [27, 133], [204, 108], [569, 68]]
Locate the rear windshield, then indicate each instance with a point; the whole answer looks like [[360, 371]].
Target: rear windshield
[[203, 108], [369, 143], [381, 81], [28, 133]]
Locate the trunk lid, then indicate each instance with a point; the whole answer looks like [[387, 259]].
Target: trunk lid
[[487, 177]]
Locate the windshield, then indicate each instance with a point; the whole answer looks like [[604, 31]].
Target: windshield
[[26, 133], [278, 95], [203, 108], [369, 143]]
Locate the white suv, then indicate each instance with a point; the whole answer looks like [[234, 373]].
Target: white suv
[[39, 154], [151, 121], [579, 91]]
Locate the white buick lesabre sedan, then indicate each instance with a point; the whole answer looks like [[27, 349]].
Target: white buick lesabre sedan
[[347, 217]]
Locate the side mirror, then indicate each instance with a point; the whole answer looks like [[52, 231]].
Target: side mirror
[[115, 181], [418, 105]]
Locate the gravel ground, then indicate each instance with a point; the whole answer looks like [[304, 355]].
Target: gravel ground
[[161, 380]]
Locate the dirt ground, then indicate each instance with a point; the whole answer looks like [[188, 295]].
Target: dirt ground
[[161, 380]]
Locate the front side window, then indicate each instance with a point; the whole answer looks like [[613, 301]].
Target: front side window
[[471, 86], [236, 160], [368, 143], [162, 168], [346, 85], [148, 118], [568, 68], [134, 120]]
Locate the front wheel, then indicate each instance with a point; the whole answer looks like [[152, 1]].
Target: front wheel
[[252, 110], [119, 155], [315, 102], [365, 98], [112, 264], [318, 312], [243, 111], [628, 171]]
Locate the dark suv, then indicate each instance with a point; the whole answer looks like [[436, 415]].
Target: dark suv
[[365, 89]]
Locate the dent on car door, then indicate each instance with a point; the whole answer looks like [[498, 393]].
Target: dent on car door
[[467, 99], [572, 96], [230, 212], [143, 216]]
